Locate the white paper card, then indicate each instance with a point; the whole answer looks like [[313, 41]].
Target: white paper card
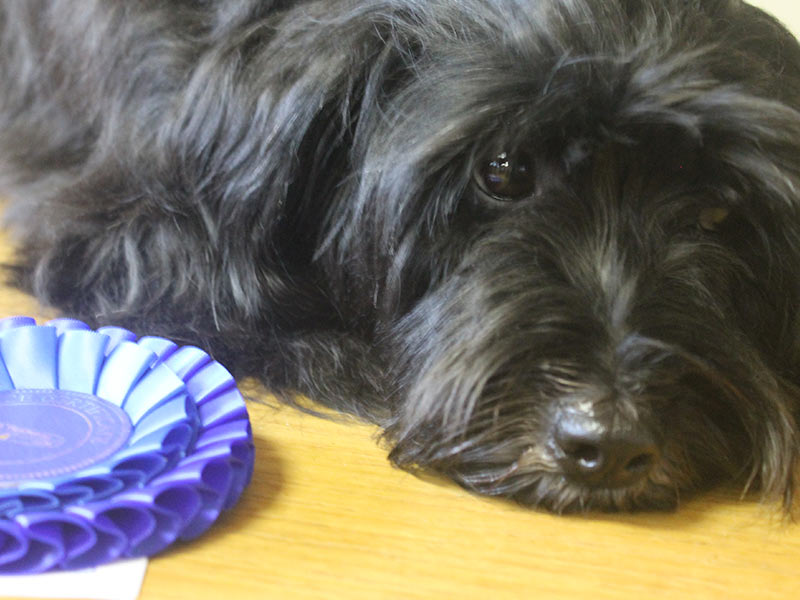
[[121, 580]]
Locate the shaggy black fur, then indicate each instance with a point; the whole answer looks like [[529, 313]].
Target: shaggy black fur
[[552, 246]]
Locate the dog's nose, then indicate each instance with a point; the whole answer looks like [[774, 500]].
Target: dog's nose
[[593, 453]]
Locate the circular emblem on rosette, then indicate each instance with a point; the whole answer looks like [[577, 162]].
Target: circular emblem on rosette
[[111, 446]]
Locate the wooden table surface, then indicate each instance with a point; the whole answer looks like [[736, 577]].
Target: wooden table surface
[[326, 516]]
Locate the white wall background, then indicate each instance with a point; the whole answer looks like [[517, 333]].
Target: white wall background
[[788, 11]]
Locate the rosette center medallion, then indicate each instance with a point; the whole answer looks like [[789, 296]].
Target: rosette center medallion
[[48, 433]]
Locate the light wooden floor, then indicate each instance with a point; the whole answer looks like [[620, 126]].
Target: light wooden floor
[[327, 517]]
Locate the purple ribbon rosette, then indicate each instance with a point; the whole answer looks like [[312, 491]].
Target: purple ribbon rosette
[[111, 446]]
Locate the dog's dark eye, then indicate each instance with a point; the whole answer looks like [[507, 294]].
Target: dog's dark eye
[[710, 219], [507, 176]]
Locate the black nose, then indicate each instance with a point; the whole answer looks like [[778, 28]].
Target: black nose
[[596, 452]]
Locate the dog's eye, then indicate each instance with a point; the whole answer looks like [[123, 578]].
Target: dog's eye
[[710, 219], [507, 176]]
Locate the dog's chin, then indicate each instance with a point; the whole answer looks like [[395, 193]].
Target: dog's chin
[[535, 481], [701, 441], [488, 413], [557, 494]]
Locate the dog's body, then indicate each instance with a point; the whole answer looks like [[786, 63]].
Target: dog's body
[[552, 246]]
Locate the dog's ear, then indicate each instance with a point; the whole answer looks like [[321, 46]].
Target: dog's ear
[[215, 165], [266, 125]]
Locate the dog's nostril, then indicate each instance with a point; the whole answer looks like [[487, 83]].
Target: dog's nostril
[[640, 463], [590, 454], [586, 454]]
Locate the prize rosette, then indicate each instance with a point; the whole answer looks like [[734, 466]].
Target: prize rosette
[[111, 446]]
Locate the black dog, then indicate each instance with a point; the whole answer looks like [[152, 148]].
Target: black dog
[[552, 246]]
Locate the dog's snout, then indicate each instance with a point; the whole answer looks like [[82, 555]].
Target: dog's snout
[[594, 453]]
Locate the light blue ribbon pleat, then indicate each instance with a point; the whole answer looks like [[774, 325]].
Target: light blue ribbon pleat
[[14, 322], [81, 354], [211, 380], [187, 361], [223, 408], [123, 367], [117, 335], [29, 354], [232, 432], [161, 347], [177, 410], [63, 325], [160, 382]]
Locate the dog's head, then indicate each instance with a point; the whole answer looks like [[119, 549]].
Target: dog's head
[[573, 226]]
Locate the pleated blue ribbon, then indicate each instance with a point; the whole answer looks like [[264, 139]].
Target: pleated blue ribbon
[[111, 446]]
